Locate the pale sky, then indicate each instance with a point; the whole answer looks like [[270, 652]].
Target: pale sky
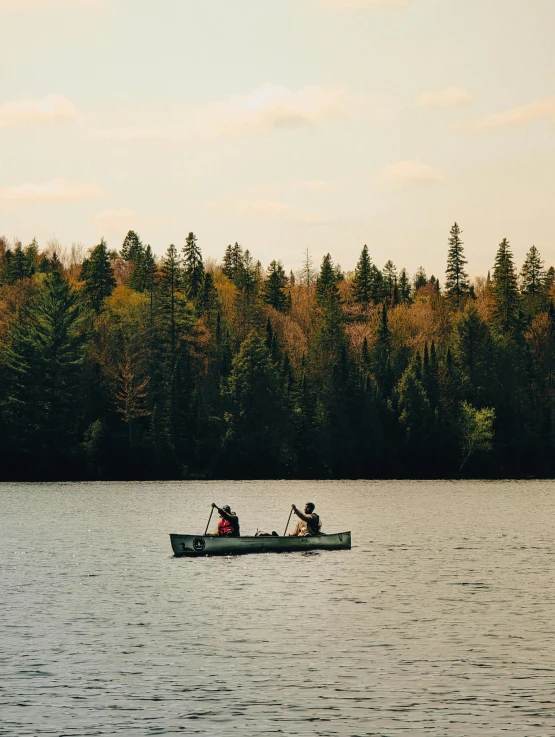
[[281, 124]]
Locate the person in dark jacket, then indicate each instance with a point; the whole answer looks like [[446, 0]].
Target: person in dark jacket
[[309, 523]]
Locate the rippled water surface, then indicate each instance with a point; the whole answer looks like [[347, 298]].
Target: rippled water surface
[[439, 621]]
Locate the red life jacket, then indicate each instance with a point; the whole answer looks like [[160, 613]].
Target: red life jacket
[[225, 527]]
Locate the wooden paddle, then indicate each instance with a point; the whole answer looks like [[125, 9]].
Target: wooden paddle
[[209, 518], [288, 521]]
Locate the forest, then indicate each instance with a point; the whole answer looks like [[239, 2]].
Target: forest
[[115, 364]]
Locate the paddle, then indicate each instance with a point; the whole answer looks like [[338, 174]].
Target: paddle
[[209, 518], [288, 521]]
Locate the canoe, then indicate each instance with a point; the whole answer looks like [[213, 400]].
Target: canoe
[[198, 545]]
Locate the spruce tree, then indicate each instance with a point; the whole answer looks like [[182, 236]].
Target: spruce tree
[[389, 272], [131, 249], [273, 290], [404, 287], [505, 289], [362, 280], [227, 264], [420, 278], [456, 278], [169, 287], [532, 275], [326, 283], [98, 275], [44, 362], [256, 411], [207, 300], [193, 267]]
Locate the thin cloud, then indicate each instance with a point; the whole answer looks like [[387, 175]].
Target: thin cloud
[[32, 4], [29, 111], [372, 4], [450, 97], [266, 208], [266, 108], [522, 115], [54, 191], [405, 174], [115, 222]]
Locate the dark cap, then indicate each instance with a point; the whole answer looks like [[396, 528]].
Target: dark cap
[[226, 508]]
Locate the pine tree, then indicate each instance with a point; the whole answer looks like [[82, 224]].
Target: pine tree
[[193, 272], [98, 276], [532, 275], [169, 287], [326, 283], [362, 280], [456, 279], [227, 264], [273, 290], [404, 286], [256, 411], [505, 290], [474, 351], [237, 263], [207, 300], [389, 278], [420, 279], [132, 247], [43, 372]]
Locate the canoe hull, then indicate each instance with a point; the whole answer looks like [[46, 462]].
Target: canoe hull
[[200, 545]]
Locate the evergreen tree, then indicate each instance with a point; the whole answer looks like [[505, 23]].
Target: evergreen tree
[[194, 267], [256, 411], [420, 279], [207, 300], [132, 247], [474, 356], [533, 280], [404, 286], [505, 290], [98, 275], [362, 280], [389, 278], [326, 283], [227, 264], [43, 370], [169, 289], [456, 278], [273, 290]]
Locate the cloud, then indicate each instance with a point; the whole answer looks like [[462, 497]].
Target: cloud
[[28, 111], [25, 4], [265, 108], [410, 173], [115, 222], [354, 4], [538, 110], [266, 208], [54, 191], [450, 97]]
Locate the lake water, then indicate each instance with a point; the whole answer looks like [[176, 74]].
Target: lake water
[[439, 621]]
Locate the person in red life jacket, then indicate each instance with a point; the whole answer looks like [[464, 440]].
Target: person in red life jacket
[[309, 523], [229, 521]]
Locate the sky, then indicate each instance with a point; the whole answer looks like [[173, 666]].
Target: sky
[[283, 125]]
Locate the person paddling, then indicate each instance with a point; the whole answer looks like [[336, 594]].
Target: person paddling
[[228, 525], [309, 523]]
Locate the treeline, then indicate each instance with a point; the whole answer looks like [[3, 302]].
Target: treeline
[[121, 366]]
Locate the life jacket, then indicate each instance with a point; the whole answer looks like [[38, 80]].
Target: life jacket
[[226, 527], [314, 525]]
